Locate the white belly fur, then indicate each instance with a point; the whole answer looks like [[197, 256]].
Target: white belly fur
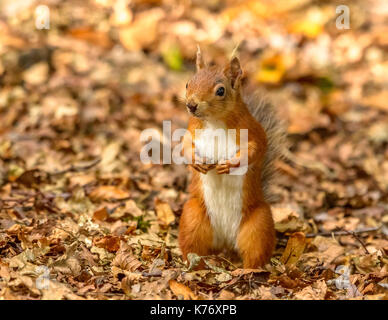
[[223, 199], [222, 194]]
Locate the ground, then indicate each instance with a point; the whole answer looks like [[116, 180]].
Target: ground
[[81, 217]]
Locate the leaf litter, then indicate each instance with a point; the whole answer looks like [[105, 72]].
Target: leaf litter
[[82, 218]]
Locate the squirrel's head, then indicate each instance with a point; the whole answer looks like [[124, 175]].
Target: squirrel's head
[[213, 91]]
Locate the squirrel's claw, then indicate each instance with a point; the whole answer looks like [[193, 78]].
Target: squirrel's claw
[[197, 168], [223, 168], [203, 168]]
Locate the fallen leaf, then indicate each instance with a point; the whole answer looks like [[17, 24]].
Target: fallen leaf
[[378, 100], [194, 260], [132, 36], [368, 263], [328, 250], [315, 292], [286, 220], [69, 263], [271, 69], [294, 249], [180, 289], [226, 295], [164, 212], [108, 193], [223, 277], [240, 272], [109, 243], [309, 28], [58, 291], [37, 74], [287, 282], [92, 36], [125, 259], [100, 214], [172, 57]]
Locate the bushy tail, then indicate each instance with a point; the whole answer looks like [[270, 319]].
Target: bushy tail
[[264, 112]]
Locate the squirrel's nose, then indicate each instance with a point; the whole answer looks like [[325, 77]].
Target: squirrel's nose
[[192, 107]]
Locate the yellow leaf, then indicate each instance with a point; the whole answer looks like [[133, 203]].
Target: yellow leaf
[[309, 28], [271, 70], [164, 212]]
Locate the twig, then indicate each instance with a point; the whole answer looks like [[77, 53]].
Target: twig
[[74, 168], [358, 239], [220, 257], [341, 232], [232, 283]]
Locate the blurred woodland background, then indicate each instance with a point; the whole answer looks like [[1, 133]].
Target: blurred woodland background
[[82, 218]]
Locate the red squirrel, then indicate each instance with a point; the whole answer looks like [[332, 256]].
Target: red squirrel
[[228, 211]]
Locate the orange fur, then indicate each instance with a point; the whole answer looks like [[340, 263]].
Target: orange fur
[[256, 236], [195, 233]]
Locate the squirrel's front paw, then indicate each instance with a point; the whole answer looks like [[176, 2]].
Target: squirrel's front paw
[[203, 168], [224, 167]]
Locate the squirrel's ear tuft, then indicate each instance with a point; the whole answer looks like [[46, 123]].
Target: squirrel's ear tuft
[[233, 72], [200, 63]]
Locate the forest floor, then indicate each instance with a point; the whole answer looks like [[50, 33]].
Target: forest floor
[[81, 217]]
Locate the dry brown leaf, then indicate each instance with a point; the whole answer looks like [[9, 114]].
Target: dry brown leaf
[[328, 249], [164, 212], [132, 36], [70, 262], [378, 100], [133, 209], [37, 74], [4, 273], [226, 295], [125, 259], [285, 281], [109, 243], [295, 247], [100, 214], [92, 36], [315, 292], [286, 220], [240, 272], [368, 263], [108, 192], [59, 291], [180, 289]]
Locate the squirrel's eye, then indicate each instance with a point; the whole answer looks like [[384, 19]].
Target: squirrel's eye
[[220, 91]]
